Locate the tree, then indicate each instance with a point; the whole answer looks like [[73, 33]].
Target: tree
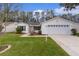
[[50, 14], [6, 9], [23, 16], [69, 6], [76, 17], [37, 16], [29, 16], [67, 16]]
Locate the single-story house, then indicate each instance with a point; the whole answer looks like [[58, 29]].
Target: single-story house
[[56, 25], [12, 27], [34, 27], [28, 28]]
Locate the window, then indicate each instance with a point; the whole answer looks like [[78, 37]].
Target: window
[[23, 28], [67, 25], [48, 25], [37, 28]]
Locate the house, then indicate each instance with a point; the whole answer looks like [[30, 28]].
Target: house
[[12, 27], [58, 25], [24, 27], [34, 27], [28, 28]]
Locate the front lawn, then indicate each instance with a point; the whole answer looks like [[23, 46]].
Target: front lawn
[[77, 34], [30, 46]]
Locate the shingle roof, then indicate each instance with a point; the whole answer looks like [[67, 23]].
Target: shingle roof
[[33, 23], [59, 18]]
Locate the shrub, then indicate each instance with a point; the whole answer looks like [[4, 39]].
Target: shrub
[[18, 30], [74, 31]]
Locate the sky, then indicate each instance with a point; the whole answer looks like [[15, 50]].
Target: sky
[[58, 10], [36, 6]]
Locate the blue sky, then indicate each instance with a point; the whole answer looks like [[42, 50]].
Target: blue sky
[[58, 10], [36, 6]]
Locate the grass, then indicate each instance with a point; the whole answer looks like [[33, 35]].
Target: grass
[[77, 34], [30, 46]]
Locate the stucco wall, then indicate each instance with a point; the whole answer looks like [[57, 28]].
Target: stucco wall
[[58, 21], [12, 27], [76, 26], [27, 27]]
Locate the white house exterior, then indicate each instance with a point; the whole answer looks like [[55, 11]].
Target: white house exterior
[[25, 27], [58, 25], [12, 27]]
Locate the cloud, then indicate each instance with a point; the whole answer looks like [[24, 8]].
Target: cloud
[[60, 11], [75, 11]]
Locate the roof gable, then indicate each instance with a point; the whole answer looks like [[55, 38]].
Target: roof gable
[[59, 19]]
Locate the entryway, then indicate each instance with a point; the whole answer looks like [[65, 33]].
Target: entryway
[[35, 30]]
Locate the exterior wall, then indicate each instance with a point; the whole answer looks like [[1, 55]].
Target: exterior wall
[[76, 26], [27, 27], [31, 29], [58, 21], [12, 27]]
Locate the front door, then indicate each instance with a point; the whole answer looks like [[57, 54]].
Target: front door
[[35, 29]]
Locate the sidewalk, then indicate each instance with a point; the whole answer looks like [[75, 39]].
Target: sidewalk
[[26, 35]]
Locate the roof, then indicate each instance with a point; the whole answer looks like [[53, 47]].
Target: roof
[[22, 23], [34, 23], [56, 18]]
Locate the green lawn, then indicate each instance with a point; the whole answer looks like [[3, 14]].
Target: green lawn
[[30, 46], [77, 34]]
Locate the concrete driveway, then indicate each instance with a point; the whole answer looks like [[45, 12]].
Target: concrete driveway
[[69, 43]]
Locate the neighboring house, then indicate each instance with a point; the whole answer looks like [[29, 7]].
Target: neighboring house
[[58, 25]]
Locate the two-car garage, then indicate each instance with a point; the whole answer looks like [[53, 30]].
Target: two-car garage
[[56, 25], [58, 29]]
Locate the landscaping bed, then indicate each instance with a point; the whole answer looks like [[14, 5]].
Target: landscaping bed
[[3, 47]]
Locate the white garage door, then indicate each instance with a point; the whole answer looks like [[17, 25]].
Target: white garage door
[[58, 29]]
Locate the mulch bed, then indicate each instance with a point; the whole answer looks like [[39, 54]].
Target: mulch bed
[[3, 47]]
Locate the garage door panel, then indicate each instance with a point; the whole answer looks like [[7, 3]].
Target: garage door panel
[[58, 30]]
